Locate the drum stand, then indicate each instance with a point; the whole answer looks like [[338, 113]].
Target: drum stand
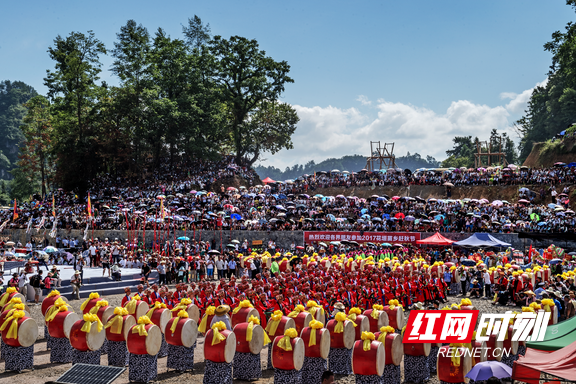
[[86, 357], [180, 358], [142, 368], [18, 358], [117, 353], [61, 351]]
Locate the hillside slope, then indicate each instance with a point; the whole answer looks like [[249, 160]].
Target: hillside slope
[[547, 153]]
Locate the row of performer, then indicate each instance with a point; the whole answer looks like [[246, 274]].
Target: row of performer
[[301, 344]]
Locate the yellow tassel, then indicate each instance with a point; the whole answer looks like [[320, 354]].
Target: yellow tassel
[[274, 322], [216, 328], [368, 337], [285, 342], [141, 327], [242, 304], [340, 318], [93, 295]]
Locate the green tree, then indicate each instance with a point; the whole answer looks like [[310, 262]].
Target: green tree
[[197, 34], [247, 78], [13, 96], [37, 130], [74, 92]]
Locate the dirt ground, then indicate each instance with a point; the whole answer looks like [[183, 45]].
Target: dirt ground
[[45, 372]]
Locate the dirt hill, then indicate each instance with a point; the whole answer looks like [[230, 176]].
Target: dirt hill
[[547, 153]]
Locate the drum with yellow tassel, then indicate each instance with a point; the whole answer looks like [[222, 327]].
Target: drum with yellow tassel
[[90, 302], [320, 347], [242, 313], [144, 338], [256, 342], [137, 307], [395, 314], [377, 318], [368, 357], [10, 293], [119, 324], [87, 334], [453, 364], [392, 342], [19, 330], [62, 323], [288, 352], [224, 350], [301, 320], [50, 300], [343, 339], [183, 334]]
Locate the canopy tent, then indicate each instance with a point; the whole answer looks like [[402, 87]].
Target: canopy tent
[[435, 239], [268, 180], [482, 240], [561, 363], [557, 336]]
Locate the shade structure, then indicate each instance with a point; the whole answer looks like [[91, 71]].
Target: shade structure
[[482, 240], [268, 180], [561, 363], [557, 336], [435, 239]]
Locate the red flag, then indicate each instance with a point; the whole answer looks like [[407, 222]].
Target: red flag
[[530, 253], [15, 211], [53, 207], [89, 207]]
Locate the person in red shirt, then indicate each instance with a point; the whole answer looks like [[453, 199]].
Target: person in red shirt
[[126, 297]]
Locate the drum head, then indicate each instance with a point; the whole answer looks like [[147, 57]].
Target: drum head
[[383, 320], [380, 359], [396, 350], [427, 348], [193, 312], [106, 314], [349, 334], [364, 324], [68, 322], [141, 309], [129, 322], [165, 316], [189, 333], [298, 351], [483, 351], [230, 348], [153, 340], [95, 339], [257, 342], [27, 332], [324, 343]]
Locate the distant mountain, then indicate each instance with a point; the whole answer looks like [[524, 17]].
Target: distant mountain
[[351, 163]]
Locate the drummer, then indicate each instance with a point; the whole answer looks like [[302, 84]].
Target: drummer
[[220, 314], [338, 307]]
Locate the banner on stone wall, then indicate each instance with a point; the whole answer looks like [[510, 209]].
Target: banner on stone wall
[[365, 237]]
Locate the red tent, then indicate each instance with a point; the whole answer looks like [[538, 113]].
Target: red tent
[[268, 180], [435, 239], [561, 363]]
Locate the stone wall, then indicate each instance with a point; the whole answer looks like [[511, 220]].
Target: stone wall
[[282, 239]]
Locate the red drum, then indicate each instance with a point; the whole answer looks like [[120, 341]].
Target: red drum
[[127, 323], [27, 333], [417, 349], [4, 315], [91, 303], [285, 266], [467, 308], [326, 264], [48, 302], [145, 345], [494, 348], [160, 317], [62, 324], [142, 308], [481, 346], [370, 362], [510, 345], [255, 345], [448, 264], [10, 296], [86, 341], [450, 373], [105, 313], [288, 360], [546, 273], [224, 351], [393, 348], [285, 323], [302, 320], [344, 339], [243, 315], [322, 347], [396, 316], [185, 333], [319, 315], [375, 324], [363, 324], [455, 276], [245, 260]]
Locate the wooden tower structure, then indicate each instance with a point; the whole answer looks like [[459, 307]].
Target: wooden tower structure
[[484, 155], [381, 156]]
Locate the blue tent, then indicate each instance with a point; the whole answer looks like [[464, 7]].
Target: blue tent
[[482, 240]]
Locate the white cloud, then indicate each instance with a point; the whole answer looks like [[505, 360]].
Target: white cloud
[[334, 132], [364, 100]]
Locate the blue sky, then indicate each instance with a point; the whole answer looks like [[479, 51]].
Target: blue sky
[[413, 72]]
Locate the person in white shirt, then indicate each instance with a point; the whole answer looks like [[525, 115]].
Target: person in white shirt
[[23, 284], [487, 284]]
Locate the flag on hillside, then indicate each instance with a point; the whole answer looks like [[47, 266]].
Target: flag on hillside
[[15, 211], [53, 207], [89, 206], [162, 214]]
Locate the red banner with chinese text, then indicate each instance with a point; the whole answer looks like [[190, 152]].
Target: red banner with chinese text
[[366, 237]]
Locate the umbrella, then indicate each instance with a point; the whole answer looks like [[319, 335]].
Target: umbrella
[[486, 369], [554, 261], [322, 244], [214, 252], [469, 263], [235, 241], [184, 238], [50, 249], [448, 184]]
